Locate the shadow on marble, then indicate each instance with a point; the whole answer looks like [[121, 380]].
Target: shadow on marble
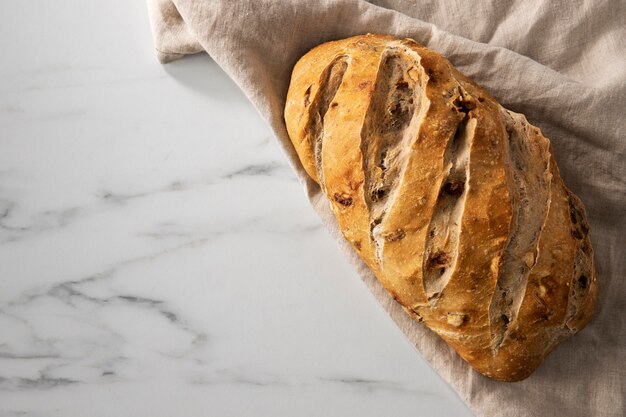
[[202, 75]]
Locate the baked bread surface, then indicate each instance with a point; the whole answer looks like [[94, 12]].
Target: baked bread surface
[[455, 203]]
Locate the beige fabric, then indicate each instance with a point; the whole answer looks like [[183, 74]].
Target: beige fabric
[[561, 63]]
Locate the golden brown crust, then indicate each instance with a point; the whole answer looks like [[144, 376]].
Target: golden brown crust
[[455, 203]]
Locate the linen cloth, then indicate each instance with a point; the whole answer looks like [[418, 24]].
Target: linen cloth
[[561, 63]]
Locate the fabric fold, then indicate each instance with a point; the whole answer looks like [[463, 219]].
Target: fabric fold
[[173, 38]]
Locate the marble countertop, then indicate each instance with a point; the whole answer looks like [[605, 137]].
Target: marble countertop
[[158, 256]]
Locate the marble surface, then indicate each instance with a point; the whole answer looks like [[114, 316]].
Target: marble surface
[[157, 255]]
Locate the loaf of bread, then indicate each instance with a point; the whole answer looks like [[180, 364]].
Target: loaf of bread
[[455, 203]]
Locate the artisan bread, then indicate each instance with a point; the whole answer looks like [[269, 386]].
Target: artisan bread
[[455, 203]]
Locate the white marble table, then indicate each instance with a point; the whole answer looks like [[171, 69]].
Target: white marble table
[[157, 255]]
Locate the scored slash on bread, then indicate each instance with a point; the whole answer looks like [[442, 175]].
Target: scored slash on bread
[[455, 203]]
